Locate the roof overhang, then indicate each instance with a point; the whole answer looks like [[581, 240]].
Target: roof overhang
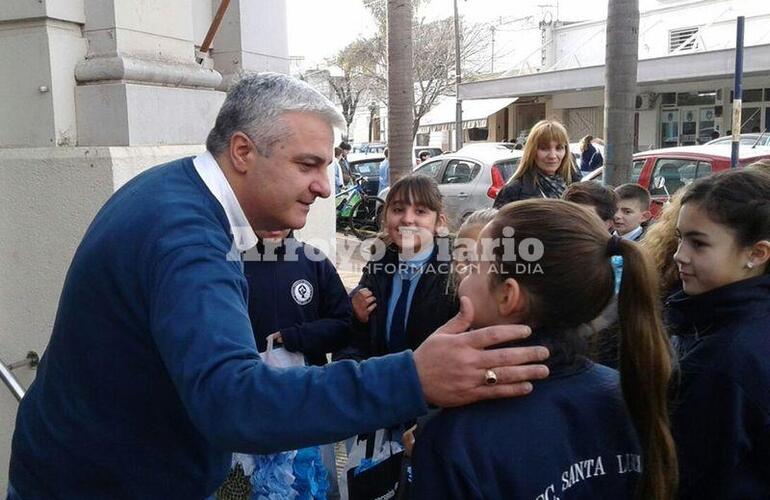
[[694, 67], [475, 114]]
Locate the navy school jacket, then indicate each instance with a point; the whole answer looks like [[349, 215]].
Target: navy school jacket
[[570, 438], [301, 297], [721, 412], [433, 304]]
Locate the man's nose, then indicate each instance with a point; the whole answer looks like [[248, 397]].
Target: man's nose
[[321, 186]]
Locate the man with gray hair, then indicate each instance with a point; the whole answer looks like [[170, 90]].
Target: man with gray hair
[[152, 378]]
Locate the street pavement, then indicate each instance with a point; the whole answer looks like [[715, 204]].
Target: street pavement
[[349, 261]]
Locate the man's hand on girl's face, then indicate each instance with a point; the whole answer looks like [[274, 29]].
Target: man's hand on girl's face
[[452, 362]]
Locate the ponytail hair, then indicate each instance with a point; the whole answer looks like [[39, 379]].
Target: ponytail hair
[[645, 370], [576, 252]]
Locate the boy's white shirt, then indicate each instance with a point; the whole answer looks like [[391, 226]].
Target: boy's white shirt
[[631, 235]]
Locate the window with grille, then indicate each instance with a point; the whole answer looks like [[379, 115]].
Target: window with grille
[[683, 39]]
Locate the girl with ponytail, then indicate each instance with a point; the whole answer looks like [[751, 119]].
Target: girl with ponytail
[[587, 431]]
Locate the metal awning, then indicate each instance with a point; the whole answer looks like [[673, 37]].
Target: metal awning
[[475, 114], [693, 67]]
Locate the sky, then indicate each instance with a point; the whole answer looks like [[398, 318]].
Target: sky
[[320, 28]]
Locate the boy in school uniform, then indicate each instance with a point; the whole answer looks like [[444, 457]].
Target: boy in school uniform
[[633, 211], [295, 294]]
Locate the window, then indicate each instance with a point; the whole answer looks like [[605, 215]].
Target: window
[[751, 95], [676, 172], [636, 170], [478, 134], [508, 167], [431, 169], [460, 172], [668, 99], [690, 172], [696, 98], [683, 39], [367, 168]]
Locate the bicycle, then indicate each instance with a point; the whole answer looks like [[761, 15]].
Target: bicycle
[[358, 211]]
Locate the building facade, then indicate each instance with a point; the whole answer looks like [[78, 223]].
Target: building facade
[[685, 75]]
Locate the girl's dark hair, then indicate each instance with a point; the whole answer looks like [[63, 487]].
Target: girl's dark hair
[[575, 253], [413, 189], [738, 199]]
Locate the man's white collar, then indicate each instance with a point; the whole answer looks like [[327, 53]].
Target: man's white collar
[[211, 174]]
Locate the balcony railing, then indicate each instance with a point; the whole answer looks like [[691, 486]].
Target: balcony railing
[[10, 381]]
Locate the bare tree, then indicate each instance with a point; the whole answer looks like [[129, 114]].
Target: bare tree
[[400, 88], [433, 55], [353, 83], [621, 56]]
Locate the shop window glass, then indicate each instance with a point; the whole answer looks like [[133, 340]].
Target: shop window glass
[[705, 125], [668, 98], [696, 98], [669, 128], [752, 95]]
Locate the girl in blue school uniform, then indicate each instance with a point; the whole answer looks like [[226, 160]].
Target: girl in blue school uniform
[[721, 322], [586, 431], [405, 293]]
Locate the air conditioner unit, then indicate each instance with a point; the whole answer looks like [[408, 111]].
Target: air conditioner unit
[[645, 100]]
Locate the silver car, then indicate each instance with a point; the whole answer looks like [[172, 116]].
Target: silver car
[[469, 182]]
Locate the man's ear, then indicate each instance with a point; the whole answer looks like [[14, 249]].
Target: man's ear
[[510, 298], [646, 215], [242, 152]]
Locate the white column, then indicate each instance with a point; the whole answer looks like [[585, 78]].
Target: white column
[[253, 37], [140, 83]]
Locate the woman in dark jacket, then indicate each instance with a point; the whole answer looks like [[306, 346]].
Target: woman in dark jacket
[[546, 168], [590, 157]]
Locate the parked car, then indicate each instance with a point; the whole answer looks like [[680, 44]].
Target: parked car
[[367, 151], [369, 169], [746, 140], [469, 182], [680, 166], [433, 151], [475, 147]]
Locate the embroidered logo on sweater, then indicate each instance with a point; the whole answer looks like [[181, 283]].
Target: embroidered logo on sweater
[[302, 292]]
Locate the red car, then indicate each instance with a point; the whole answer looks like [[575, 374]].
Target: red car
[[682, 165]]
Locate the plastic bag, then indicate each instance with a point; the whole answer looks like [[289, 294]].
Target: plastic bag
[[310, 474], [367, 452], [280, 357]]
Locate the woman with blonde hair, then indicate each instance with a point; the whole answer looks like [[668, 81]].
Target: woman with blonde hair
[[546, 168]]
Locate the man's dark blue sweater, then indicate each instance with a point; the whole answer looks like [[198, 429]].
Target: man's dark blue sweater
[[294, 289], [152, 378], [570, 438]]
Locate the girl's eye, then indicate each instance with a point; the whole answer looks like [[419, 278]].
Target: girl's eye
[[698, 244]]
